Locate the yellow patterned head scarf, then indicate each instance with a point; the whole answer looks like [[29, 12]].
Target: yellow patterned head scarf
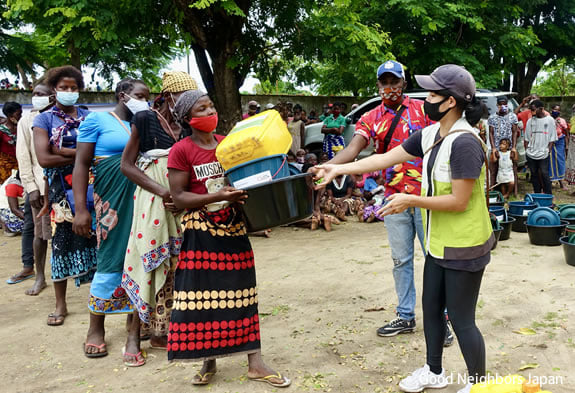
[[177, 81]]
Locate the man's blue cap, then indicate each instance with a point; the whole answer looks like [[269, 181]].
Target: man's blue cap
[[392, 67]]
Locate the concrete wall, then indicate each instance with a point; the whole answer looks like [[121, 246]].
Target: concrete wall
[[91, 97], [566, 103], [307, 102]]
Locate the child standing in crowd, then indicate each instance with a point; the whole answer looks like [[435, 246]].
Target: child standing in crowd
[[333, 127], [505, 176], [8, 161], [216, 302], [11, 206]]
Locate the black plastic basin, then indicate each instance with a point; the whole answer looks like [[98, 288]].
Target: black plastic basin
[[279, 202], [548, 235], [568, 250], [506, 225], [519, 224], [497, 234]]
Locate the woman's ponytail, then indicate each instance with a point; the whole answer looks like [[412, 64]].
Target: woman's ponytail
[[474, 110]]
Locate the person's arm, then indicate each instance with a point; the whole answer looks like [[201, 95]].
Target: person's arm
[[327, 172], [14, 208], [527, 134], [184, 199], [23, 156], [325, 130], [514, 134], [63, 151], [494, 149], [46, 158], [302, 134], [82, 224], [457, 201], [339, 130], [133, 173]]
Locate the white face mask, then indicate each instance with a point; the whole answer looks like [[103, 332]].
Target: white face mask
[[67, 98], [135, 105], [40, 102]]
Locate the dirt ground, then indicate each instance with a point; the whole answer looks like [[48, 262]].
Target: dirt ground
[[322, 296]]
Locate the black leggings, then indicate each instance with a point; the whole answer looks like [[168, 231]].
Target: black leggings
[[458, 290]]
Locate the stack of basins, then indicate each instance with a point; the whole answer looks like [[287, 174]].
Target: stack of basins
[[567, 213], [254, 157], [502, 229], [545, 227]]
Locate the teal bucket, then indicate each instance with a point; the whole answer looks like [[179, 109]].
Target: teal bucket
[[542, 200], [267, 168]]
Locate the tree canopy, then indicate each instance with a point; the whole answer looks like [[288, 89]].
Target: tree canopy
[[334, 46]]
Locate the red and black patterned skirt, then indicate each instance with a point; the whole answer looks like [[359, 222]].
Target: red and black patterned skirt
[[215, 311]]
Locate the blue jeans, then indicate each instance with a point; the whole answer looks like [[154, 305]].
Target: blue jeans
[[401, 231]]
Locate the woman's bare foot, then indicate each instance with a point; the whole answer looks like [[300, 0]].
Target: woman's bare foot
[[159, 342], [95, 345], [132, 353], [258, 370], [38, 286], [205, 375]]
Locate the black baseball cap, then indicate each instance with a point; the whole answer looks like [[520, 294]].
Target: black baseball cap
[[451, 77]]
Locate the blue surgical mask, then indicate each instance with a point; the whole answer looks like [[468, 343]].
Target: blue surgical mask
[[67, 98]]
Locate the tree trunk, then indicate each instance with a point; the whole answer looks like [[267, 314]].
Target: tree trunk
[[226, 94], [75, 59], [24, 77], [205, 68]]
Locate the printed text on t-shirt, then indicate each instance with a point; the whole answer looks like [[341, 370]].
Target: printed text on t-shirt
[[210, 169]]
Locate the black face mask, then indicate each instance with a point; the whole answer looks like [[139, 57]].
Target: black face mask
[[432, 110]]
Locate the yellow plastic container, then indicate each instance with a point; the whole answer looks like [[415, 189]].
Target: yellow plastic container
[[508, 384], [262, 135]]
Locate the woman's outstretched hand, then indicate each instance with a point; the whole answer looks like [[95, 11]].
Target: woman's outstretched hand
[[396, 203], [323, 174]]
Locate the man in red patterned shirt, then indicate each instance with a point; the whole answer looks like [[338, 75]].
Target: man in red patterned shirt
[[389, 125]]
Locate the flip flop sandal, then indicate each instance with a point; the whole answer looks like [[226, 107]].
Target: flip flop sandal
[[268, 379], [140, 358], [203, 379], [95, 354], [58, 319], [17, 279]]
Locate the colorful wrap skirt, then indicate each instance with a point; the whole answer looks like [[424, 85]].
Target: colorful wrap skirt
[[153, 247], [114, 206], [73, 256], [215, 310]]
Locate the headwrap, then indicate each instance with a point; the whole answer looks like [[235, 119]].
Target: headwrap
[[177, 81], [186, 101], [70, 123]]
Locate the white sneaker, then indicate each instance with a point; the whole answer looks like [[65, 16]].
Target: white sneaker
[[466, 389], [423, 378]]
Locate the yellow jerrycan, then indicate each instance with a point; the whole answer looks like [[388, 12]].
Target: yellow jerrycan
[[262, 135]]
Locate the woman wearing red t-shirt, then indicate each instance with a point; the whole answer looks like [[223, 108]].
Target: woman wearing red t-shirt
[[215, 310]]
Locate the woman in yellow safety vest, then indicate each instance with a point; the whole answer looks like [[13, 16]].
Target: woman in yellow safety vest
[[458, 232]]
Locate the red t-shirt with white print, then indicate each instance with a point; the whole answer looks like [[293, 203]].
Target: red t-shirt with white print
[[200, 163]]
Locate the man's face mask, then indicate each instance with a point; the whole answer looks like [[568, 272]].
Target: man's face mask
[[391, 95]]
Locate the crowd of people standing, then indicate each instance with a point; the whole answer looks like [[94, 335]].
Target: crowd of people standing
[[124, 200]]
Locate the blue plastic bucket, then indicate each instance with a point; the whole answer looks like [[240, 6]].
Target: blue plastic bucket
[[499, 212], [521, 208], [542, 200], [259, 171]]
